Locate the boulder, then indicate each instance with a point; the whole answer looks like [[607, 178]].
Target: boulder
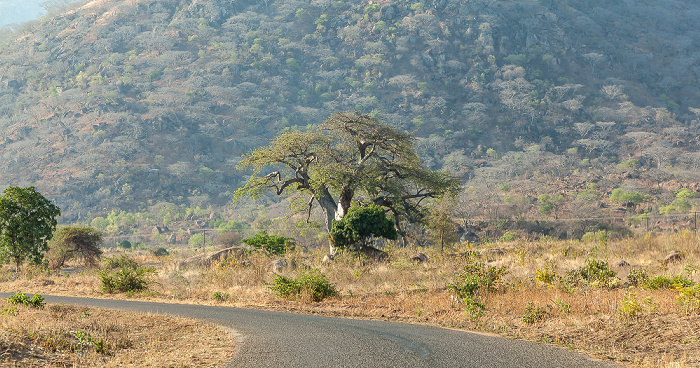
[[495, 252], [419, 258], [280, 265], [207, 258], [328, 258], [674, 256], [375, 254]]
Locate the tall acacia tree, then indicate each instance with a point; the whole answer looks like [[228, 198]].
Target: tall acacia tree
[[350, 156], [27, 223]]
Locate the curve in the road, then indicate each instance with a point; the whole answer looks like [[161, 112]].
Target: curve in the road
[[274, 339]]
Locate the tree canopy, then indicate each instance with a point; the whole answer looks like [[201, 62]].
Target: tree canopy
[[349, 156], [72, 241], [27, 223]]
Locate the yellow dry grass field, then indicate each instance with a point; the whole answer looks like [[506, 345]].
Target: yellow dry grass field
[[617, 299], [71, 336]]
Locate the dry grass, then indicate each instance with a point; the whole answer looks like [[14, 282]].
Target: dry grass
[[71, 336], [586, 317]]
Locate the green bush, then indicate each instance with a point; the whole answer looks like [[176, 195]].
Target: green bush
[[121, 262], [547, 275], [37, 301], [127, 279], [638, 277], [688, 299], [597, 273], [509, 236], [312, 284], [664, 282], [221, 297], [475, 281], [270, 244], [533, 313]]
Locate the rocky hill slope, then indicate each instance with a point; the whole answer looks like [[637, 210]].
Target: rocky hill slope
[[124, 104]]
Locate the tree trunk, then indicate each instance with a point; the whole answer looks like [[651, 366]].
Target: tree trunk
[[329, 208], [344, 203]]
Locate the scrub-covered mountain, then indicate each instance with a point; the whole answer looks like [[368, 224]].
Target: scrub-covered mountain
[[124, 104]]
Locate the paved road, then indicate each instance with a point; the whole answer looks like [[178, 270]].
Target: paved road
[[273, 339]]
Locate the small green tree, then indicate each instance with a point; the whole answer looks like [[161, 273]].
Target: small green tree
[[27, 223], [440, 222], [72, 241], [359, 225], [625, 197], [270, 244], [124, 244]]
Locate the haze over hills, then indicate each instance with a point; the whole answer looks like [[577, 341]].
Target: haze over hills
[[123, 104], [18, 12]]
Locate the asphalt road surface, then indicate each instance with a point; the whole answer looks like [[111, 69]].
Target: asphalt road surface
[[274, 339]]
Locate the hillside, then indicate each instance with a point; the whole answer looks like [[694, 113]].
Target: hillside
[[127, 104]]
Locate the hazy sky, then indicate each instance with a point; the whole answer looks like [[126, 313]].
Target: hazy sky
[[20, 11]]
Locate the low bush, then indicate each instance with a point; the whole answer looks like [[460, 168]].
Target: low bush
[[594, 274], [270, 244], [475, 281], [121, 262], [688, 299], [127, 279], [547, 275], [665, 282], [533, 313], [312, 284], [637, 277], [37, 301], [220, 297]]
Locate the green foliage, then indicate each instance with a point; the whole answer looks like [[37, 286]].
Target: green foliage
[[440, 221], [664, 282], [475, 282], [37, 301], [220, 296], [519, 59], [199, 240], [160, 252], [549, 203], [509, 236], [688, 299], [270, 244], [638, 277], [533, 314], [27, 223], [359, 225], [594, 274], [127, 279], [385, 167], [547, 275], [597, 272], [681, 203], [120, 262], [312, 284], [629, 306], [624, 197], [87, 341]]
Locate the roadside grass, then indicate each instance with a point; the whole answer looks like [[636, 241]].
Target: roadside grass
[[576, 294], [71, 336]]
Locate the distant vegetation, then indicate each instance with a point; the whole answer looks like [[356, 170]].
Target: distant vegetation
[[134, 114]]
